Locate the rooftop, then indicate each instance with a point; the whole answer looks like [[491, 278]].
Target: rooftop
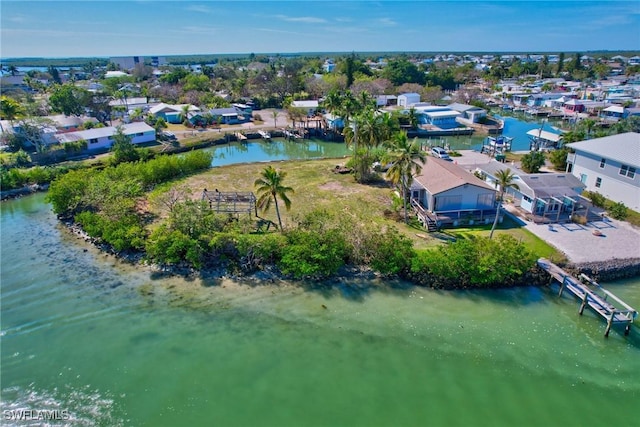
[[623, 147], [440, 175]]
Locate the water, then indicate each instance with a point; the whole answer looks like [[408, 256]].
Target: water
[[114, 345], [277, 149], [281, 149]]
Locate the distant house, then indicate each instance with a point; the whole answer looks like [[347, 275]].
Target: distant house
[[69, 123], [407, 99], [310, 106], [171, 113], [613, 113], [386, 100], [450, 194], [101, 138], [441, 118], [469, 113], [544, 140], [226, 116], [573, 106], [610, 166]]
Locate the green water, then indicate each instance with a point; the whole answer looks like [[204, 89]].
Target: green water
[[119, 346]]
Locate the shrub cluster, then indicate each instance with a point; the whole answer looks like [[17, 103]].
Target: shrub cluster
[[478, 262], [13, 178], [104, 202]]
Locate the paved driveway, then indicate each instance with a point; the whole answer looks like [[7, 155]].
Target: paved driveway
[[617, 240]]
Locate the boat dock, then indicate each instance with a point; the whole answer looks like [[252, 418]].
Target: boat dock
[[240, 136], [591, 294]]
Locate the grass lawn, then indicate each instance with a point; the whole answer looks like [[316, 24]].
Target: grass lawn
[[538, 246], [317, 187]]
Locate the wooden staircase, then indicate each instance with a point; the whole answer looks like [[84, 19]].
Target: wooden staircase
[[423, 216]]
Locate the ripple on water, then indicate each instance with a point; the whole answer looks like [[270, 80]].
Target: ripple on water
[[77, 406]]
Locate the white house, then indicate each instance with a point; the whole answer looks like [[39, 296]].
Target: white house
[[407, 99], [609, 165], [101, 138], [310, 106]]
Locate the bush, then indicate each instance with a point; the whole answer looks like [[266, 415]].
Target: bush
[[618, 211], [172, 247], [314, 254], [478, 262], [391, 252], [596, 198], [532, 162]]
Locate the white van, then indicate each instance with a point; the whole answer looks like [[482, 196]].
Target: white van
[[441, 153]]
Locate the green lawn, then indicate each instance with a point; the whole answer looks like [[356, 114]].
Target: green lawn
[[317, 187]]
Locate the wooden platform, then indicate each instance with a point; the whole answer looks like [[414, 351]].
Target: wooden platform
[[591, 294]]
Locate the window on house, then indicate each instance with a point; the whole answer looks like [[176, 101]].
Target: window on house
[[602, 162], [628, 171], [598, 182], [93, 141], [139, 134]]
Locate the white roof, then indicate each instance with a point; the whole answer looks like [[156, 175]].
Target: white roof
[[173, 107], [623, 147], [614, 109], [115, 74], [305, 104], [442, 113], [549, 136], [96, 133]]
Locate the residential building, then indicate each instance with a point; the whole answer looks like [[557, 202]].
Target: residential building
[[172, 113], [102, 138], [469, 113], [610, 166], [407, 99], [450, 194], [543, 197], [310, 106]]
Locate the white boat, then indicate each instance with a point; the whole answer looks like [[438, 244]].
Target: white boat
[[264, 134]]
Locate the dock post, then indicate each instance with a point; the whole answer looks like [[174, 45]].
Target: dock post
[[609, 323], [584, 303], [564, 279], [627, 329]]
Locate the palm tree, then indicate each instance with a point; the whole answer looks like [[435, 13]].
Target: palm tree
[[270, 188], [407, 159], [274, 113], [10, 109], [184, 113], [504, 180]]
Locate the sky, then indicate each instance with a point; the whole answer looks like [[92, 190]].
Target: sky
[[136, 27]]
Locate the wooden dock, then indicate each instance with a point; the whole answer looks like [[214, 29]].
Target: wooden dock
[[240, 137], [591, 294]]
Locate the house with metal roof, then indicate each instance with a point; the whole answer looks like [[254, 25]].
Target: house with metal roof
[[610, 166], [448, 195], [171, 113], [101, 138]]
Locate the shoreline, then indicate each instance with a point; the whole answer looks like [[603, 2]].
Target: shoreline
[[605, 271]]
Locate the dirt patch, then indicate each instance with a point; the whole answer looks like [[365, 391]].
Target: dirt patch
[[333, 186]]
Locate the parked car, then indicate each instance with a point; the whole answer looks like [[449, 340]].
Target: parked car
[[169, 136], [440, 153]]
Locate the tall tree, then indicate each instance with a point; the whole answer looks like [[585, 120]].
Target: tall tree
[[504, 180], [407, 159], [270, 188], [560, 66], [122, 148], [69, 99]]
